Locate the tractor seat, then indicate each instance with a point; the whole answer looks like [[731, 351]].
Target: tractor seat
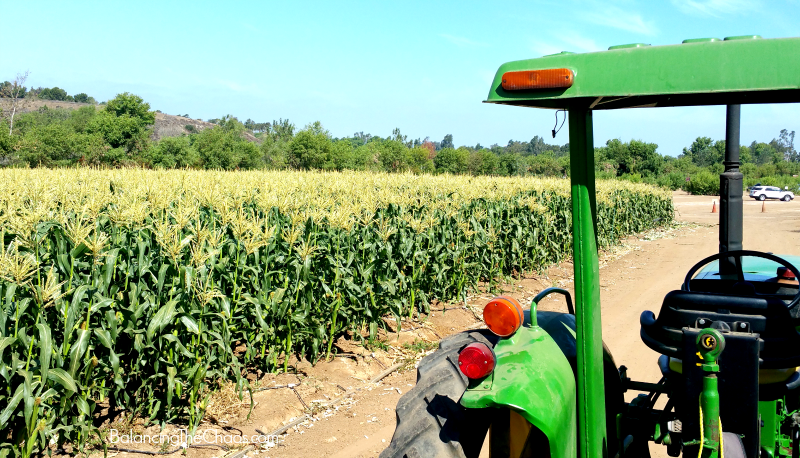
[[767, 317]]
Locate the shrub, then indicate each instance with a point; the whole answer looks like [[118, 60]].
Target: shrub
[[702, 183], [673, 181], [173, 152]]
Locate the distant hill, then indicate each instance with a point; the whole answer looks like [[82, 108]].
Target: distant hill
[[166, 125], [175, 126]]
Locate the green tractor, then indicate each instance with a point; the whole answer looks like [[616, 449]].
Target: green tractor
[[543, 384]]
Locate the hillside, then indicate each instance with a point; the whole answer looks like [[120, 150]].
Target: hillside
[[166, 125]]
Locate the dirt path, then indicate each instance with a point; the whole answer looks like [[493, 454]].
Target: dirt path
[[633, 279]]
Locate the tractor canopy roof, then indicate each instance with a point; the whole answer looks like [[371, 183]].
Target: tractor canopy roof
[[705, 71]]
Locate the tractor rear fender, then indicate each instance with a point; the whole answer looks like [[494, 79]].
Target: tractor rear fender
[[534, 378]]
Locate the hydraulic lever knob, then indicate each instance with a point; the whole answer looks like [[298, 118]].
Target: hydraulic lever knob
[[710, 344]]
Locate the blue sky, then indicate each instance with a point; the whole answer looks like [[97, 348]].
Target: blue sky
[[422, 66]]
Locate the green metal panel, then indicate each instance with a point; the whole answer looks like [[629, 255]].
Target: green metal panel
[[589, 340], [768, 411], [534, 378], [736, 70]]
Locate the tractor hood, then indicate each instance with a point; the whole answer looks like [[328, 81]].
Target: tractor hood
[[755, 269]]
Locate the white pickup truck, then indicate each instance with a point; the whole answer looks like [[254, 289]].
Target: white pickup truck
[[770, 192]]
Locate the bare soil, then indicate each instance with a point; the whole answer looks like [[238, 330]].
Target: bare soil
[[633, 278]]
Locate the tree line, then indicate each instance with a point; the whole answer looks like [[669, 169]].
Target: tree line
[[44, 93], [119, 134]]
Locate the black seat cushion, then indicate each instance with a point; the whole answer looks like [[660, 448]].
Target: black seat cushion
[[768, 317]]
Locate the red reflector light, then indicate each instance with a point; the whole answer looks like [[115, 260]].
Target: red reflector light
[[786, 274], [503, 315], [476, 360], [554, 78]]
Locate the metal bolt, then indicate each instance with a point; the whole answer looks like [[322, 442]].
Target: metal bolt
[[742, 325], [701, 321]]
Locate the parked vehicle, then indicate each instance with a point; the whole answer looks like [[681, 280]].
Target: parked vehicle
[[771, 192], [543, 383]]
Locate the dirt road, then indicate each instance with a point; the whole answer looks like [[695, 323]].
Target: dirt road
[[632, 279]]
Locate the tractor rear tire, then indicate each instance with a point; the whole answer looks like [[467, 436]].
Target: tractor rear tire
[[430, 420]]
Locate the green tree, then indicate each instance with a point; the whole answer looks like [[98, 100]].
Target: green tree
[[765, 153], [341, 156], [419, 161], [634, 157], [515, 147], [366, 157], [282, 130], [482, 162], [57, 144], [310, 148], [54, 93], [171, 152], [745, 155], [703, 152], [79, 119], [393, 155], [449, 160], [784, 144], [248, 154], [274, 153], [82, 98], [546, 164], [447, 142], [224, 147], [119, 131], [127, 104], [510, 164], [124, 123]]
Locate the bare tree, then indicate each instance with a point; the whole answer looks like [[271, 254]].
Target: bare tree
[[16, 92]]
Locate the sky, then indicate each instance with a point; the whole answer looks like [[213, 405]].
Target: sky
[[421, 66]]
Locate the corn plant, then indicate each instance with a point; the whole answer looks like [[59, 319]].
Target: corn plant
[[139, 290]]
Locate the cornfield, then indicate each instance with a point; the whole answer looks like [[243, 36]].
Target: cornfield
[[138, 290]]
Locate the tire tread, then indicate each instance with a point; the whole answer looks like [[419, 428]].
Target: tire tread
[[428, 415]]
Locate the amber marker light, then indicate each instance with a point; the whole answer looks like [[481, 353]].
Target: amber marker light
[[553, 78], [503, 315]]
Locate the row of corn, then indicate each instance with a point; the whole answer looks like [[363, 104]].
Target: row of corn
[[138, 291]]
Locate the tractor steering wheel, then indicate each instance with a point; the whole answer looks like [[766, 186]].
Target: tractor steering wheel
[[737, 256]]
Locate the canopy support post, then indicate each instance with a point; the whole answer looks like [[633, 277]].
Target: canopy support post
[[591, 394], [730, 193]]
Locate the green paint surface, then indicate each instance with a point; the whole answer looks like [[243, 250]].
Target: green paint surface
[[768, 411], [589, 339], [534, 378], [734, 70]]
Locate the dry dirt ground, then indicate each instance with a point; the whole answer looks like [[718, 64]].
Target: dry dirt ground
[[633, 278]]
